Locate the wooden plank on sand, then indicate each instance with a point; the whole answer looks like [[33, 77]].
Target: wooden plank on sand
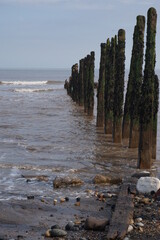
[[122, 215]]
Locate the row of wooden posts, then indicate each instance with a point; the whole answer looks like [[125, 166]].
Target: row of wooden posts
[[136, 118]]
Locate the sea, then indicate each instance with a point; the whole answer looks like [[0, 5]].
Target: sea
[[43, 132]]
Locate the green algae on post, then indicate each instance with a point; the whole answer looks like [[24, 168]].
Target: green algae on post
[[90, 93], [109, 89], [155, 111], [81, 82], [119, 87], [146, 107], [101, 86]]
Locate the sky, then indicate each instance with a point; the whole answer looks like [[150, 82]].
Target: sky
[[58, 33]]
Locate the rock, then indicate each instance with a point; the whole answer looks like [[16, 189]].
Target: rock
[[137, 220], [130, 228], [141, 229], [77, 204], [98, 179], [83, 238], [48, 233], [55, 227], [69, 226], [95, 224], [126, 238], [131, 222], [30, 197], [140, 224], [66, 181], [78, 199], [67, 199], [57, 233], [145, 201], [62, 200], [40, 178], [148, 184], [141, 174], [55, 201]]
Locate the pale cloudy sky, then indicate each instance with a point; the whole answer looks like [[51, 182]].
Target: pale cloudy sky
[[58, 33]]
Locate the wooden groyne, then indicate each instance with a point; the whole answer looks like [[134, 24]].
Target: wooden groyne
[[134, 119]]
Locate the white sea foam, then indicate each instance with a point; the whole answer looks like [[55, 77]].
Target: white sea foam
[[26, 83], [29, 90]]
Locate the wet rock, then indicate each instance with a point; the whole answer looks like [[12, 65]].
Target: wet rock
[[138, 220], [130, 228], [57, 233], [56, 226], [30, 197], [141, 174], [95, 224], [66, 181], [145, 201], [67, 199], [78, 199], [148, 184], [40, 178], [48, 233], [69, 226], [98, 179]]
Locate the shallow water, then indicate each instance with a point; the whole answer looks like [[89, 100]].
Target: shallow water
[[42, 132]]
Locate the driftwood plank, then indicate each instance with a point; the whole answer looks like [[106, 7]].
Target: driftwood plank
[[122, 215]]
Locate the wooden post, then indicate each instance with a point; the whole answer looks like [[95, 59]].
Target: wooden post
[[119, 87], [110, 82], [155, 112], [146, 108], [107, 77], [90, 94], [86, 79], [136, 81], [101, 86], [81, 82]]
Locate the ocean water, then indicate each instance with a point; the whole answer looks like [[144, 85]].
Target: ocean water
[[43, 132]]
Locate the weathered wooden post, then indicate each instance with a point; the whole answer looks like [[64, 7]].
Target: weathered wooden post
[[90, 95], [146, 108], [119, 87], [110, 81], [86, 79], [81, 82], [107, 77], [155, 111], [101, 86], [75, 82], [136, 79]]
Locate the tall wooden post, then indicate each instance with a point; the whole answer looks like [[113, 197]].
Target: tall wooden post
[[101, 86], [136, 81], [119, 87], [90, 94], [155, 112], [146, 109], [81, 82], [110, 87]]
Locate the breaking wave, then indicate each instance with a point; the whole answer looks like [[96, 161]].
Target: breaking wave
[[28, 82], [25, 90]]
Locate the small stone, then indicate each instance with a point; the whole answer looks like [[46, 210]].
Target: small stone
[[69, 226], [62, 200], [48, 233], [83, 238], [126, 238], [67, 199], [140, 229], [78, 199], [137, 220], [30, 197], [55, 227], [95, 224], [75, 229], [77, 204], [130, 228], [58, 233], [55, 201], [140, 224]]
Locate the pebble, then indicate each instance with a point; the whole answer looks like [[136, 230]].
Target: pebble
[[48, 233], [140, 224], [130, 228], [78, 199], [30, 197], [57, 233], [77, 204], [67, 199], [83, 238], [138, 219], [62, 200], [140, 229], [55, 227], [55, 201], [69, 226], [131, 222], [126, 238]]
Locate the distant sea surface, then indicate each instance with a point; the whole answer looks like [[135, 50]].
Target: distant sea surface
[[42, 132]]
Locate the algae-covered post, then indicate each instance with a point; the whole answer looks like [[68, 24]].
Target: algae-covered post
[[81, 82], [75, 82], [101, 86], [86, 79], [107, 76], [155, 111], [136, 82], [119, 87], [90, 95], [110, 81], [133, 94], [146, 108]]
